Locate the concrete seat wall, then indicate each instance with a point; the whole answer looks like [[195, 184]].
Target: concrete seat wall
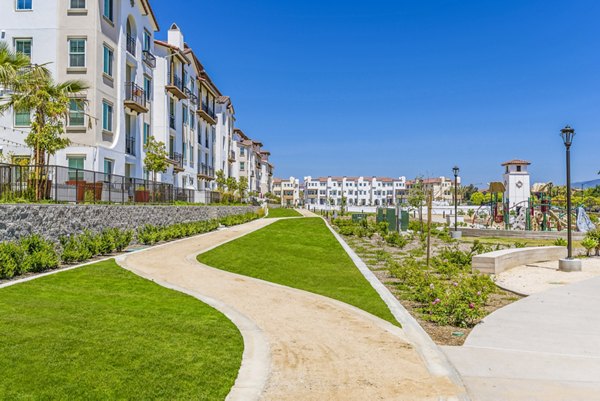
[[499, 261]]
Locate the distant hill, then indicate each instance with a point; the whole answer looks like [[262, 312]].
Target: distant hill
[[587, 184]]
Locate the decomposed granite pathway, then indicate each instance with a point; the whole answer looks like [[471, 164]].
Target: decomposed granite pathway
[[298, 345]]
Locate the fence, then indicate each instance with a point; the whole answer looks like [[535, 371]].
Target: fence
[[64, 184]]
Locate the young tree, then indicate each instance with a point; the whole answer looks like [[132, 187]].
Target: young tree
[[155, 160], [221, 181], [416, 197], [156, 157], [232, 185], [243, 186]]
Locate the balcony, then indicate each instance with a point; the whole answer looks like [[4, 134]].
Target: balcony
[[231, 156], [176, 159], [205, 172], [131, 44], [149, 58], [207, 114], [130, 145], [193, 99], [135, 98], [175, 88]]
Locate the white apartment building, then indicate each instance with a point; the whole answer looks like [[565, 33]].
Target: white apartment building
[[225, 155], [442, 188], [287, 190], [185, 118], [253, 163], [109, 44], [358, 191]]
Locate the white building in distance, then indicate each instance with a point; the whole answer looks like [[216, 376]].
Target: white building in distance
[[516, 182]]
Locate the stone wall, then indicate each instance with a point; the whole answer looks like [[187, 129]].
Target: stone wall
[[52, 221]]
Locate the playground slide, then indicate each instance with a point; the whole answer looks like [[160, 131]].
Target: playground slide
[[584, 224]]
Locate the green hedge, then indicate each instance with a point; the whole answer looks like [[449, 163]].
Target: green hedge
[[34, 254]]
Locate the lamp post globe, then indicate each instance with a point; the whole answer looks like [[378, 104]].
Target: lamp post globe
[[569, 264]]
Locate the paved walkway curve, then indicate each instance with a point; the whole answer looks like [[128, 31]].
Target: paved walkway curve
[[317, 348]]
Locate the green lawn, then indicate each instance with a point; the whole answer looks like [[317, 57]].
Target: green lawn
[[283, 212], [100, 332], [300, 253]]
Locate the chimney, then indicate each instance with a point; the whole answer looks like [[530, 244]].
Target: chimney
[[175, 37]]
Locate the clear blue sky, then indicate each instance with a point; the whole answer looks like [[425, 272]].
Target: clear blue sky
[[393, 87]]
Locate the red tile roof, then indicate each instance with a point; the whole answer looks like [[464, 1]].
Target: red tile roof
[[516, 162]]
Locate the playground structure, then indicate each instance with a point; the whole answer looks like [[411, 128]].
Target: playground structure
[[534, 214]]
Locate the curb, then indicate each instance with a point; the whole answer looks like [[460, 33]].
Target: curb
[[436, 361]]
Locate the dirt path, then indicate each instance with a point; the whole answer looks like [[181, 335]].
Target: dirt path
[[319, 348]]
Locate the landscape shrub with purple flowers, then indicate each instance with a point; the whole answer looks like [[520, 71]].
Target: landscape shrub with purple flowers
[[448, 292]]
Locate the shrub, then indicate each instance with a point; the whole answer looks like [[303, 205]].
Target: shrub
[[11, 259], [122, 238], [107, 242], [75, 249], [40, 254], [560, 242], [520, 244], [595, 235], [589, 243], [396, 240]]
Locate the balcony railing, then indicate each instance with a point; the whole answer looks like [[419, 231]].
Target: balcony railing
[[193, 98], [130, 145], [232, 156], [187, 91], [131, 43], [135, 97], [149, 58], [177, 158], [208, 110], [177, 82]]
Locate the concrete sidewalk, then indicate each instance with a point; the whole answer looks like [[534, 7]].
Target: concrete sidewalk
[[543, 347]]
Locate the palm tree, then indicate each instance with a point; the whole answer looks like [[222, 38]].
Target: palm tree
[[11, 63], [32, 88]]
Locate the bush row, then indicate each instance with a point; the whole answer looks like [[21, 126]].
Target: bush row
[[35, 254]]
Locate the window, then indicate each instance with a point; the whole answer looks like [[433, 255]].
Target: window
[[23, 46], [146, 133], [147, 40], [242, 151], [24, 5], [108, 9], [108, 166], [184, 153], [147, 87], [77, 4], [75, 163], [108, 60], [185, 115], [76, 52], [76, 113], [107, 116], [22, 118], [242, 166], [192, 121]]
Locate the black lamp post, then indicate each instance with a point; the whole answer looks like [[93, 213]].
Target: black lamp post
[[455, 170], [569, 264], [567, 135]]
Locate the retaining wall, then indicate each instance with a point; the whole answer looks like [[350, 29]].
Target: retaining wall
[[52, 221]]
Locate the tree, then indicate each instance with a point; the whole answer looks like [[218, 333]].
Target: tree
[[221, 181], [468, 191], [10, 64], [416, 197], [243, 186], [33, 89], [477, 198], [156, 157], [232, 185]]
